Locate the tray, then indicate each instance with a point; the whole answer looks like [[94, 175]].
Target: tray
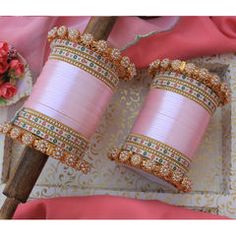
[[213, 169]]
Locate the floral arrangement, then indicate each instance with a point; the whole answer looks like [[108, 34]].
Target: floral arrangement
[[11, 70]]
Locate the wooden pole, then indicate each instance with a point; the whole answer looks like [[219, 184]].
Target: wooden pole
[[30, 165]]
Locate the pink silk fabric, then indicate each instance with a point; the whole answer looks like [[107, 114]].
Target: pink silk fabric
[[165, 116], [172, 37], [105, 207]]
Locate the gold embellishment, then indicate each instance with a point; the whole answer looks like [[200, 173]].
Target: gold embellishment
[[55, 123], [156, 158], [45, 147], [5, 128], [175, 178], [158, 148], [182, 85], [27, 139], [59, 135], [202, 75], [89, 57], [83, 67], [51, 130], [175, 78], [109, 77], [78, 48], [186, 95], [135, 160], [52, 134], [126, 69], [48, 136], [153, 153], [15, 133]]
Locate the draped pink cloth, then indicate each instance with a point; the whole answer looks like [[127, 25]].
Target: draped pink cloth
[[172, 37], [105, 207]]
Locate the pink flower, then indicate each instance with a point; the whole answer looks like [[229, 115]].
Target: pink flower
[[17, 67], [7, 90], [4, 49]]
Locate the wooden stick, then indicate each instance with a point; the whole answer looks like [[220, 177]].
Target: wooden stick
[[30, 165], [100, 27], [22, 181]]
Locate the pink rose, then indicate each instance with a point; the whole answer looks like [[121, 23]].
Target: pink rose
[[17, 67], [4, 49], [7, 90]]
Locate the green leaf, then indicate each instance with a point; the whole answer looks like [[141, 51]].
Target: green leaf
[[5, 77], [2, 101]]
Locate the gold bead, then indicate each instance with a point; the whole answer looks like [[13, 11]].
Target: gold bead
[[115, 53], [113, 153], [182, 66], [189, 68], [125, 61], [52, 34], [165, 170], [27, 138], [62, 31], [57, 153], [165, 63], [186, 184], [15, 133], [83, 166], [71, 160], [87, 39], [101, 45], [6, 128], [124, 156], [41, 145], [73, 34], [175, 65], [148, 165], [135, 160], [177, 176]]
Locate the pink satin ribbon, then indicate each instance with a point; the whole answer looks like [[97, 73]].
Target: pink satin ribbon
[[172, 119], [70, 95]]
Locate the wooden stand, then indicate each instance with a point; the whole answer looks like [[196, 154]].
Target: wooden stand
[[30, 165]]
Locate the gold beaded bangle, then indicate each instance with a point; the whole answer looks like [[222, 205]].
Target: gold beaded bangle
[[45, 147], [212, 97], [190, 88], [200, 74], [111, 84], [126, 69], [90, 58], [86, 52], [156, 158], [129, 146], [109, 77], [53, 122], [48, 136], [44, 131], [175, 178]]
